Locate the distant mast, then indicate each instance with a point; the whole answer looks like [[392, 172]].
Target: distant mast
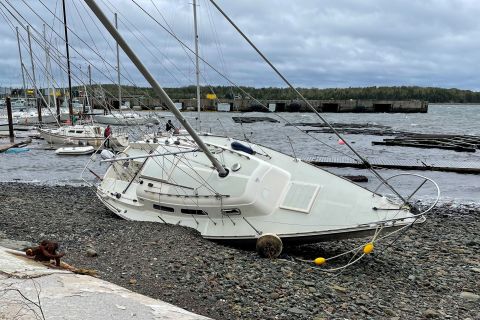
[[70, 107], [21, 65], [197, 67]]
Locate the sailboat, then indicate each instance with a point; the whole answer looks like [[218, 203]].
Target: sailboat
[[231, 190], [82, 134]]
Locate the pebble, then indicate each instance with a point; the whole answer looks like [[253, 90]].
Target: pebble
[[91, 252], [470, 296], [296, 310], [339, 289], [477, 270], [430, 314]]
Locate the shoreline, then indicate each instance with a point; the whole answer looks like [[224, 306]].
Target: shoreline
[[422, 275]]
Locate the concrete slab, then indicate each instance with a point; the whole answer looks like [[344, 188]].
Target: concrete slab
[[30, 290]]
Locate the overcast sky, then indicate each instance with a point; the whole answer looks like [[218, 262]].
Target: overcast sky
[[315, 43]]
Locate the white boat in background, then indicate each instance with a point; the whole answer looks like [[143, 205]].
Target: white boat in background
[[19, 103], [123, 119], [75, 151], [29, 117], [90, 135]]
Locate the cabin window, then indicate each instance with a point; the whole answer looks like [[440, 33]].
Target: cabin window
[[230, 212], [79, 131], [194, 211], [71, 131], [163, 208]]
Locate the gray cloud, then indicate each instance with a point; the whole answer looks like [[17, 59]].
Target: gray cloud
[[330, 43]]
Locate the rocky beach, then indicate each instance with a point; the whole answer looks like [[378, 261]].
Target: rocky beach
[[431, 271]]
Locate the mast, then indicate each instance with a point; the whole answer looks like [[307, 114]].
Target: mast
[[70, 107], [197, 67], [118, 68], [31, 57], [21, 66], [222, 172], [46, 63], [34, 79]]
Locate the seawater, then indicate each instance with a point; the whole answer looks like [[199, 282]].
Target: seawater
[[45, 167]]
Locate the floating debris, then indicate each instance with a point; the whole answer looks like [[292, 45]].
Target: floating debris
[[356, 178], [460, 143], [337, 125], [253, 119]]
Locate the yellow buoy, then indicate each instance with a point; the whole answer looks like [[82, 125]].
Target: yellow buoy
[[319, 261], [368, 248]]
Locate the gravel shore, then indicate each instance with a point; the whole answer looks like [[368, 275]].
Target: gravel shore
[[432, 271]]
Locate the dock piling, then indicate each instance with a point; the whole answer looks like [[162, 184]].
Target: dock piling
[[10, 119]]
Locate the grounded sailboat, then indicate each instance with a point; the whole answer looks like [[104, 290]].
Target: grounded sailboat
[[232, 190]]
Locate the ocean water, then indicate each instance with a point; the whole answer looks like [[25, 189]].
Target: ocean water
[[43, 166]]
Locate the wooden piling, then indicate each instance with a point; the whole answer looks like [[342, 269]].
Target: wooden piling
[[58, 109], [39, 110], [10, 119]]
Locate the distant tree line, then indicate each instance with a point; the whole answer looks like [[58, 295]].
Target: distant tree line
[[430, 94]]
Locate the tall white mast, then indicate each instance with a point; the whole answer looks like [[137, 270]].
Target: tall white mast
[[33, 64], [118, 68], [197, 67], [47, 54], [21, 66]]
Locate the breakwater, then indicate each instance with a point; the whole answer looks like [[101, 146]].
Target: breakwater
[[334, 106]]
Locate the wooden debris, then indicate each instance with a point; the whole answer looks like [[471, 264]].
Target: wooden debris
[[356, 178], [365, 131], [349, 128], [253, 119], [460, 143], [471, 167], [337, 125]]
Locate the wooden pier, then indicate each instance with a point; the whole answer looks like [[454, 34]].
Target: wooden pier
[[421, 165]]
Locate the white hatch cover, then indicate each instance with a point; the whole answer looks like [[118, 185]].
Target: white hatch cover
[[300, 196]]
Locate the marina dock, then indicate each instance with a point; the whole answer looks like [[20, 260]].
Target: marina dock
[[414, 164]]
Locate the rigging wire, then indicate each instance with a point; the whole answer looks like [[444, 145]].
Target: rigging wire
[[364, 161], [233, 83]]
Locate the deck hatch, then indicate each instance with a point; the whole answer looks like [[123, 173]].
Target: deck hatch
[[300, 197]]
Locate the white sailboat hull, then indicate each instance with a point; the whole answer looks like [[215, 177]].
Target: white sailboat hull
[[262, 194], [81, 135]]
